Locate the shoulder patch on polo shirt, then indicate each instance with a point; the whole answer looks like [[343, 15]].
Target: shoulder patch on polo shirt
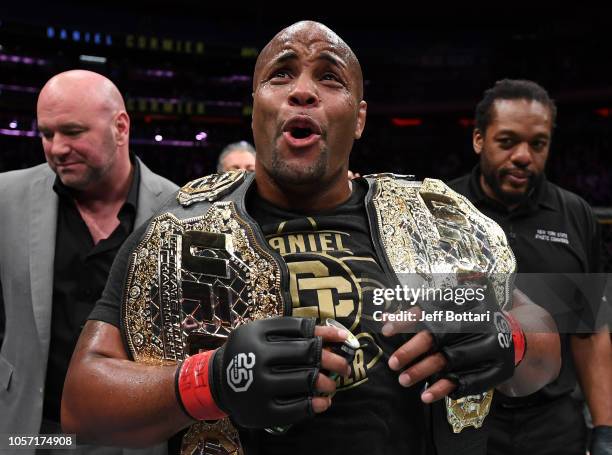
[[551, 236]]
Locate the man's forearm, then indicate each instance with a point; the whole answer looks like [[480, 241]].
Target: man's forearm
[[131, 404], [112, 400], [542, 360], [593, 360]]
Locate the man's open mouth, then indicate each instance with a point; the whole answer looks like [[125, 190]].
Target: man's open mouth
[[301, 131]]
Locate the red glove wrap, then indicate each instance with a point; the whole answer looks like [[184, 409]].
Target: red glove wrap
[[518, 338], [194, 390]]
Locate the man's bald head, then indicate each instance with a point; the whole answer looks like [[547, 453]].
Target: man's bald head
[[308, 32], [82, 86], [85, 130]]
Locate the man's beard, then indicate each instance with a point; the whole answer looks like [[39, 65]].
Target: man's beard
[[288, 177], [93, 175], [493, 179], [83, 181]]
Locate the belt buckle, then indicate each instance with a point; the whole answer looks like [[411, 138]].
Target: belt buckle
[[468, 411], [211, 438]]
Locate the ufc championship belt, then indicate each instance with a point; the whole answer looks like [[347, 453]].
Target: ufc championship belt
[[191, 281], [430, 231]]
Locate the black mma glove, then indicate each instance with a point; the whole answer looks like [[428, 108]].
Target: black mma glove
[[480, 353], [601, 440], [263, 376]]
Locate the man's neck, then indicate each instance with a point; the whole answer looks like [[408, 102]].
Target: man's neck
[[100, 209], [111, 191]]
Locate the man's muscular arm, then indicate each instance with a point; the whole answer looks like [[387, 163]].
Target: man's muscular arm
[[112, 400]]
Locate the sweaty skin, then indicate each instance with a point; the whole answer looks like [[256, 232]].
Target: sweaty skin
[[308, 78]]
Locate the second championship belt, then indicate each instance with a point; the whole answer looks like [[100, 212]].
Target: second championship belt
[[190, 282], [434, 236]]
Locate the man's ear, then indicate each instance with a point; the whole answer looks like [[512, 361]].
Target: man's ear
[[477, 140], [361, 119], [122, 128]]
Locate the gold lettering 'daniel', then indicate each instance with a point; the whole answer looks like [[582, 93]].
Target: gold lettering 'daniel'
[[322, 241]]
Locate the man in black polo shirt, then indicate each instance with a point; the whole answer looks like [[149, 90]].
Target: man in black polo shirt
[[551, 231], [62, 223]]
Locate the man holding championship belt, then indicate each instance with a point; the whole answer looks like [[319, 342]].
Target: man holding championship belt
[[207, 333]]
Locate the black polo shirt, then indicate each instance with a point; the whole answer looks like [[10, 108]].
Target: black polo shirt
[[79, 274], [553, 232]]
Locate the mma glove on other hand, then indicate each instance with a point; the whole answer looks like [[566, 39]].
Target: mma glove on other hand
[[480, 352], [601, 440]]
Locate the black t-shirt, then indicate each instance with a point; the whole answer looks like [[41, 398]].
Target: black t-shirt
[[553, 232], [333, 269]]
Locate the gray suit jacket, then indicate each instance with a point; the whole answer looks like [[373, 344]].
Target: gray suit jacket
[[28, 219]]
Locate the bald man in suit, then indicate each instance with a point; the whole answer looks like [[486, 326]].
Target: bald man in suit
[[62, 223]]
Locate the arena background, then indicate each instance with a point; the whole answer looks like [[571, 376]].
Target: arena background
[[185, 70]]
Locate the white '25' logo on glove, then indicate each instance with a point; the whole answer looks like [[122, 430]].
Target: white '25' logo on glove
[[240, 372]]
